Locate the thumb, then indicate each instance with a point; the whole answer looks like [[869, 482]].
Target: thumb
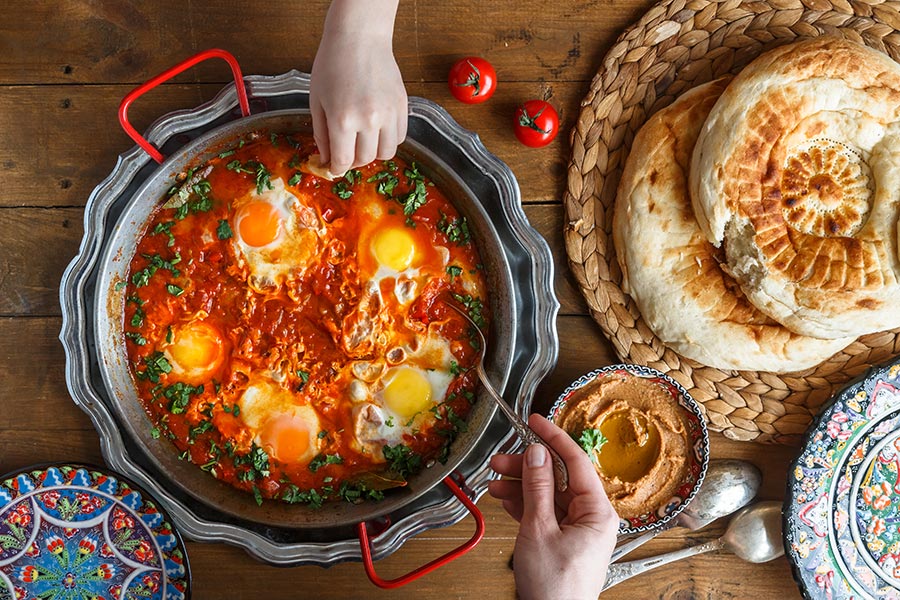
[[538, 490]]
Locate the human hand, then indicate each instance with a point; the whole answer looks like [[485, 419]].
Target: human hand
[[357, 98], [565, 539]]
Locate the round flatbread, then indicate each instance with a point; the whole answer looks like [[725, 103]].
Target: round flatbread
[[797, 174], [674, 274]]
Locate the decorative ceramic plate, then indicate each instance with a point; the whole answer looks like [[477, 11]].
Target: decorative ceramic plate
[[842, 508], [699, 437], [72, 532]]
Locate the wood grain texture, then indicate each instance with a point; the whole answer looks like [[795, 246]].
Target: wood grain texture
[[121, 41], [65, 67], [79, 137]]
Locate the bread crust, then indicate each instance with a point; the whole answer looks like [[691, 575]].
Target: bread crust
[[674, 274], [797, 173]]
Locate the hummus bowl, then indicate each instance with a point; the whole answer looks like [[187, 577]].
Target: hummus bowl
[[646, 437]]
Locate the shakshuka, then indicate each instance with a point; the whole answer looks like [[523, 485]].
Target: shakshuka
[[289, 334]]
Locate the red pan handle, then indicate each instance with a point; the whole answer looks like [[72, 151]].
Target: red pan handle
[[169, 74], [438, 562]]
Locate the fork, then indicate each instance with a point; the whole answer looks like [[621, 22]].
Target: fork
[[525, 433]]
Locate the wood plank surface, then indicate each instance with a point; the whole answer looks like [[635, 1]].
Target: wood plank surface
[[64, 67]]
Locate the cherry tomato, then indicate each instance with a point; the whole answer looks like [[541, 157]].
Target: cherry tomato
[[536, 123], [472, 80]]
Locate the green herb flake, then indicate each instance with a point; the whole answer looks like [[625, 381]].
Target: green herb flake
[[136, 337], [341, 190], [120, 285], [174, 289], [154, 433], [322, 434], [456, 229], [320, 460], [295, 179], [402, 460], [156, 364], [224, 230], [592, 441], [169, 334], [454, 272], [166, 228], [473, 306], [257, 495], [226, 154]]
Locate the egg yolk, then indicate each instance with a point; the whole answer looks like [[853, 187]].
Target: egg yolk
[[286, 437], [394, 248], [407, 393], [258, 223], [196, 347]]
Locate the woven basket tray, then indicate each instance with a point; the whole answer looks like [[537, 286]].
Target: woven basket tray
[[677, 45]]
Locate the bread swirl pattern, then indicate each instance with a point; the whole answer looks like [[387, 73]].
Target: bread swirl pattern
[[797, 173], [674, 274]]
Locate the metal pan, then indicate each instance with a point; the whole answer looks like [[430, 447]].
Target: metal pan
[[517, 265]]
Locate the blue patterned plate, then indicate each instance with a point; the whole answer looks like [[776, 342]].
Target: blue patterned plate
[[842, 508], [74, 532]]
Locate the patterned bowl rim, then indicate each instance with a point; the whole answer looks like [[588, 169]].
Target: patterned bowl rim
[[158, 506], [871, 374], [684, 400]]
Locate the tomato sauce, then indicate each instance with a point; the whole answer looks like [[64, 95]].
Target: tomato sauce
[[233, 337]]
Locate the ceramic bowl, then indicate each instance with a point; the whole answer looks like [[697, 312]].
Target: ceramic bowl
[[697, 432]]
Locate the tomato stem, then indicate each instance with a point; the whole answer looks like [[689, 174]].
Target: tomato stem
[[525, 120], [474, 79]]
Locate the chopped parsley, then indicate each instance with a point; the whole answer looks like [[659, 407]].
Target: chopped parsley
[[353, 176], [473, 307], [154, 433], [402, 460], [320, 460], [454, 271], [294, 495], [255, 168], [226, 154], [257, 495], [142, 277], [341, 190], [417, 196], [304, 379], [137, 319], [456, 229], [156, 364], [136, 337], [295, 179], [386, 182], [179, 396], [166, 228], [224, 230], [592, 440], [174, 289], [256, 462], [322, 434]]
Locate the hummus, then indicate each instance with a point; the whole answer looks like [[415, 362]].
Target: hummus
[[646, 454]]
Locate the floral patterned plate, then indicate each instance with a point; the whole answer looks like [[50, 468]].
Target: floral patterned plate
[[74, 532], [699, 437], [842, 509]]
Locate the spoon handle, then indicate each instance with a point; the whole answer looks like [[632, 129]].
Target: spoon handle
[[634, 543], [619, 572], [527, 434]]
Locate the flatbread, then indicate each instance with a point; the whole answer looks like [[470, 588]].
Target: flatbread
[[674, 274], [797, 174]]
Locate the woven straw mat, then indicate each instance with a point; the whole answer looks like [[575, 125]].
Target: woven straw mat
[[677, 45]]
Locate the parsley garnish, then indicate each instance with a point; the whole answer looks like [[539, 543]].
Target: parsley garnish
[[256, 461], [592, 441], [321, 460], [224, 230], [454, 272], [456, 230], [304, 379], [156, 364], [142, 277], [226, 154], [136, 337], [386, 182], [417, 196], [402, 460], [174, 289], [179, 396], [166, 228], [341, 190], [154, 433], [473, 307], [295, 179]]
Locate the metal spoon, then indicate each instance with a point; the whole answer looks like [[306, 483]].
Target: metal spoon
[[525, 433], [753, 534], [729, 485]]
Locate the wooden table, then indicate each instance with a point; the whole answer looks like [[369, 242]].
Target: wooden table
[[64, 66]]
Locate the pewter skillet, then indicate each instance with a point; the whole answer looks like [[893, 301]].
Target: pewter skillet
[[519, 269]]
